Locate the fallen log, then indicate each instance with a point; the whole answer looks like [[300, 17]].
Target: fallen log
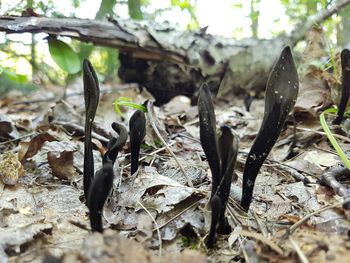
[[169, 62]]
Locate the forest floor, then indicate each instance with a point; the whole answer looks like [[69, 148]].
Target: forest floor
[[43, 214], [155, 215]]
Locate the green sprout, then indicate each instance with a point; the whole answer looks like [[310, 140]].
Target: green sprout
[[127, 102], [331, 138]]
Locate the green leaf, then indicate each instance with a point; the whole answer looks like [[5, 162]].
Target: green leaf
[[64, 56], [127, 102], [11, 75], [331, 138]]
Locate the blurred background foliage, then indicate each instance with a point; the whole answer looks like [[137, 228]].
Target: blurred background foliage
[[24, 61]]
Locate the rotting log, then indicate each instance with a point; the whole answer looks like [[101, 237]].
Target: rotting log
[[169, 62]]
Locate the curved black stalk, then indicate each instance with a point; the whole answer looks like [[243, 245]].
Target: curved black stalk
[[208, 137], [228, 145], [216, 205], [221, 155], [137, 127], [116, 145], [103, 180], [281, 93], [345, 91], [91, 97], [99, 191]]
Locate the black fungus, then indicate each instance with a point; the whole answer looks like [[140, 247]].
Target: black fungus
[[208, 136], [91, 97], [221, 152], [137, 127], [280, 96], [345, 91], [103, 180]]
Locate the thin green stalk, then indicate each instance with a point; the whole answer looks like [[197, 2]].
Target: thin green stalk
[[331, 138], [127, 102]]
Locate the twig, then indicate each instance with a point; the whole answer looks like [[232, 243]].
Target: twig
[[261, 227], [264, 240], [297, 174], [157, 227], [330, 178], [153, 153], [323, 133], [291, 230], [304, 26], [79, 225], [54, 98], [302, 257], [245, 254], [190, 138], [154, 126], [76, 127], [176, 216], [17, 139]]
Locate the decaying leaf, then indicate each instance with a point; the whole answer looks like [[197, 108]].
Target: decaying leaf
[[159, 192], [11, 168], [315, 89], [7, 128], [61, 164], [13, 238], [29, 148]]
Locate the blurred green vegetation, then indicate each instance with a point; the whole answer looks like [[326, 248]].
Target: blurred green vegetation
[[104, 59]]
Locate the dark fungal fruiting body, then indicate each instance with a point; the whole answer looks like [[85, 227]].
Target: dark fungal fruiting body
[[91, 97], [221, 152], [137, 127], [345, 93], [98, 187], [208, 136], [103, 180], [216, 205], [280, 96], [115, 145], [98, 193], [228, 145]]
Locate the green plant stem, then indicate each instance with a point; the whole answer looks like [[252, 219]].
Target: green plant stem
[[331, 138]]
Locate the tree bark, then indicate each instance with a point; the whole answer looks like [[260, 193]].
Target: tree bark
[[169, 62]]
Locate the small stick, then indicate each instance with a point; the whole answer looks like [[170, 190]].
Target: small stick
[[261, 227], [301, 255], [245, 254], [291, 230], [264, 240], [17, 139], [152, 153], [157, 227], [76, 127], [323, 133], [152, 121], [177, 215]]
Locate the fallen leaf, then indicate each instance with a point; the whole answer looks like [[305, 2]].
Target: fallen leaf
[[61, 164]]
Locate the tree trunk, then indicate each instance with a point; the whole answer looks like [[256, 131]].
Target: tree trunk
[[170, 62]]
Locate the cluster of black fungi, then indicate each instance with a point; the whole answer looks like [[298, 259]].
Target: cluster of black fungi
[[220, 147]]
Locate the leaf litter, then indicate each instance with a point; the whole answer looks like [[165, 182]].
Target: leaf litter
[[43, 214]]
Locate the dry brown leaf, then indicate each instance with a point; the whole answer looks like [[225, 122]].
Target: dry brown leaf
[[29, 148], [314, 92], [61, 164], [7, 128]]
